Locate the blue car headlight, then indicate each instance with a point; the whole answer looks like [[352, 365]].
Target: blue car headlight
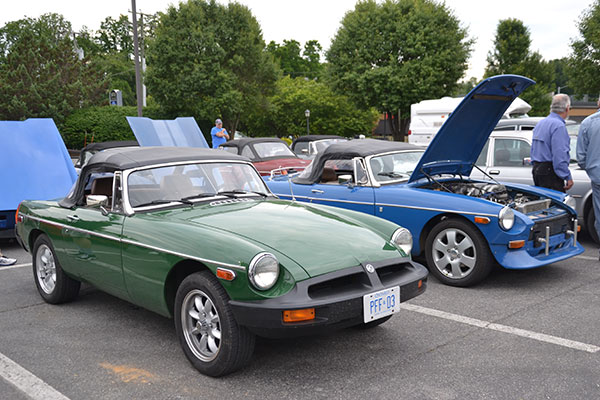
[[506, 218], [570, 201], [263, 271], [402, 239]]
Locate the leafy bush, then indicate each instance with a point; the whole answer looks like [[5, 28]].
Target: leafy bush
[[101, 124]]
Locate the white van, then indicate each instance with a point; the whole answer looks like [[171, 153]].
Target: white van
[[427, 116]]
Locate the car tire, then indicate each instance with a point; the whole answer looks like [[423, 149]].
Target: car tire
[[206, 327], [52, 283], [457, 253], [590, 219]]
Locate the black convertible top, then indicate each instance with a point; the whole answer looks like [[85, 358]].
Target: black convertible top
[[349, 150], [117, 159], [109, 145]]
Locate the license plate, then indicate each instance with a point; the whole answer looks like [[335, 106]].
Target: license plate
[[381, 303]]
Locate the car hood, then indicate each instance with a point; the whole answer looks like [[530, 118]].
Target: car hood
[[316, 238], [459, 141]]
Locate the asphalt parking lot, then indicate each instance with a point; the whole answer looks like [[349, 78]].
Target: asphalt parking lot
[[519, 335]]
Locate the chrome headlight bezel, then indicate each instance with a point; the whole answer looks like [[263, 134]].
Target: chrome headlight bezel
[[403, 240], [262, 275], [570, 201], [506, 218]]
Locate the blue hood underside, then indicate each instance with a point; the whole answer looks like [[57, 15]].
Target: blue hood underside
[[459, 141]]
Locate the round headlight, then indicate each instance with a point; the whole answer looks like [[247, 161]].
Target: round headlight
[[506, 218], [263, 271], [570, 201], [402, 239]]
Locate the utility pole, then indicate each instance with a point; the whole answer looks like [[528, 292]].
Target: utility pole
[[136, 56], [143, 57]]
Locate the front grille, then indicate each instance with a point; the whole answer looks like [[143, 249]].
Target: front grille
[[390, 273], [558, 224], [342, 285]]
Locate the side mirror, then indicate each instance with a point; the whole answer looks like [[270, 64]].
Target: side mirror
[[527, 161], [345, 179], [96, 200]]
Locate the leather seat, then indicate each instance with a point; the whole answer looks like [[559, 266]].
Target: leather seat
[[102, 186], [328, 175]]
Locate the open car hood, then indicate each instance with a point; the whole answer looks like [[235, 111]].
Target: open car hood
[[459, 141]]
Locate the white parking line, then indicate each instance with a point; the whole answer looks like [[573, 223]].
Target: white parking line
[[503, 328], [15, 266], [29, 384], [587, 258]]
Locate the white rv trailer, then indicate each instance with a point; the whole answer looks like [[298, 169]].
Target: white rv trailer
[[427, 116]]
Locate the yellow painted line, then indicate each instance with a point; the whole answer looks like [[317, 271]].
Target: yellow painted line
[[129, 374]]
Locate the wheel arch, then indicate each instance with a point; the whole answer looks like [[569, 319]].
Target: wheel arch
[[177, 274], [427, 228], [33, 235]]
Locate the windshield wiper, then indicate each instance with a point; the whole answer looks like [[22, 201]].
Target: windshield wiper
[[233, 193], [165, 201], [199, 196], [392, 174]]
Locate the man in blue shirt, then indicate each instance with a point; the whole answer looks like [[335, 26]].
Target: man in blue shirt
[[550, 147], [588, 157], [219, 134]]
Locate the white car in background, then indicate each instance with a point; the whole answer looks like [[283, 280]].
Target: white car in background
[[506, 158]]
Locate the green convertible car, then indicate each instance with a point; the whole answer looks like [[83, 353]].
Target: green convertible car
[[195, 234]]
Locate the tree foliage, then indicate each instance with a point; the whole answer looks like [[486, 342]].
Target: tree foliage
[[330, 113], [41, 74], [511, 55], [585, 61], [396, 53], [292, 63], [207, 60]]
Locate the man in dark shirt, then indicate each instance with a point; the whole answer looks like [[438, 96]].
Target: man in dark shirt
[[550, 148]]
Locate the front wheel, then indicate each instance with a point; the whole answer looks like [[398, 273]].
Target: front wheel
[[52, 283], [207, 330], [457, 254]]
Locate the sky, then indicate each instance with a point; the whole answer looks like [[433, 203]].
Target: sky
[[552, 23]]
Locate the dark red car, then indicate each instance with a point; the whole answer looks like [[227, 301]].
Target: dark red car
[[267, 154]]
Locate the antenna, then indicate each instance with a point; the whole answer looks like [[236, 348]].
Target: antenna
[[291, 190]]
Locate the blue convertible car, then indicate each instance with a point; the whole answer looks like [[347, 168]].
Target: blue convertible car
[[461, 225]]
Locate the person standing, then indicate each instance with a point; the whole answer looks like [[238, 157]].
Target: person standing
[[219, 134], [588, 157], [5, 261], [550, 147]]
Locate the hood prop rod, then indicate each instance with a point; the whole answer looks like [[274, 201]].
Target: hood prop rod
[[485, 173], [439, 183]]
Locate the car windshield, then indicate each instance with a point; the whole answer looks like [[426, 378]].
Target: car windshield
[[320, 145], [395, 166], [193, 182], [273, 149]]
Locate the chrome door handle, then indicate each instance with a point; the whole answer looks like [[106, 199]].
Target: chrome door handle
[[317, 191], [73, 218], [494, 172]]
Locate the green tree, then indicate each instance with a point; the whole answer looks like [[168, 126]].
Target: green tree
[[41, 74], [561, 75], [465, 86], [511, 47], [584, 76], [330, 113], [207, 60], [396, 53], [511, 55], [292, 63]]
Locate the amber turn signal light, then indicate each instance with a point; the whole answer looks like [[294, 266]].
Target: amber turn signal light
[[305, 314], [516, 244], [225, 274], [482, 220], [420, 284], [578, 228]]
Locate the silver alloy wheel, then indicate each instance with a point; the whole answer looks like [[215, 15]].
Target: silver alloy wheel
[[454, 253], [201, 325], [45, 269]]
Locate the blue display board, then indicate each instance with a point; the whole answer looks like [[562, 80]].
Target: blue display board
[[180, 132]]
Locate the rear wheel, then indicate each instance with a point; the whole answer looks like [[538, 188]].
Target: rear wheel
[[457, 254], [52, 283], [207, 330], [590, 221]]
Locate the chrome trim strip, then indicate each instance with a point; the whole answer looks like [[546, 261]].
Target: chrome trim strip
[[134, 243], [311, 199], [183, 255], [437, 209]]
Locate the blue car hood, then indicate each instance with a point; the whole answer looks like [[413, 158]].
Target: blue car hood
[[179, 132], [459, 141]]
